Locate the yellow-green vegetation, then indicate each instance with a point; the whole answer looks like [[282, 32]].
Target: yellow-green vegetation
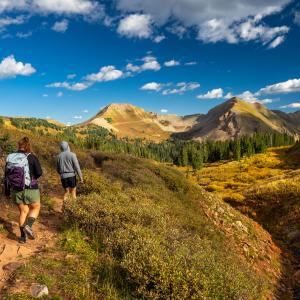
[[142, 230], [162, 237], [230, 179]]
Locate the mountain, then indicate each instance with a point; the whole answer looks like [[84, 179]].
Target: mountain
[[236, 117], [230, 119], [127, 120]]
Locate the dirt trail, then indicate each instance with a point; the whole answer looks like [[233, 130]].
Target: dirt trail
[[12, 254]]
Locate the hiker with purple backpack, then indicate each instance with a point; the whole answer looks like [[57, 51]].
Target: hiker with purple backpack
[[22, 171]]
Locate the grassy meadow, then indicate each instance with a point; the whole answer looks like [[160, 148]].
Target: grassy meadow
[[142, 230]]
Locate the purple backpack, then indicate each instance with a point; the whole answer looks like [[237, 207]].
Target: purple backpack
[[17, 173]]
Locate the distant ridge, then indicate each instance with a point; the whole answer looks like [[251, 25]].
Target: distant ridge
[[127, 120], [230, 119], [236, 117]]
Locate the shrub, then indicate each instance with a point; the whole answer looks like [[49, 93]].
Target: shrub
[[161, 243]]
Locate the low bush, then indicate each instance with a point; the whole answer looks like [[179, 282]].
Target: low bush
[[155, 239]]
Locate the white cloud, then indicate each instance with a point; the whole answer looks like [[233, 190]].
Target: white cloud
[[79, 86], [77, 117], [231, 21], [81, 7], [45, 95], [85, 111], [159, 39], [71, 76], [276, 42], [10, 68], [181, 88], [178, 30], [150, 63], [172, 63], [289, 86], [59, 94], [191, 63], [213, 94], [292, 105], [108, 73], [164, 111], [252, 30], [250, 97], [136, 25], [61, 26], [24, 35], [8, 21], [89, 9], [152, 86]]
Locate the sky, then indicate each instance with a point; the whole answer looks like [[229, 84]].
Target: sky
[[66, 59]]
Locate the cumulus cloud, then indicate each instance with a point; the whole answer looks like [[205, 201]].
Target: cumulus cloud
[[172, 63], [136, 25], [213, 94], [233, 21], [79, 86], [152, 86], [89, 9], [181, 88], [250, 97], [159, 39], [61, 26], [289, 86], [10, 68], [292, 105], [164, 111], [80, 7], [150, 63], [108, 73], [77, 117]]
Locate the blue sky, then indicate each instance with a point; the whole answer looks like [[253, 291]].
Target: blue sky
[[65, 59]]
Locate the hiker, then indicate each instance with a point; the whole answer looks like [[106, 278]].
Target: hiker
[[68, 166], [22, 171]]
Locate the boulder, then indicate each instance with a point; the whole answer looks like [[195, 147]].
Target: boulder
[[39, 290]]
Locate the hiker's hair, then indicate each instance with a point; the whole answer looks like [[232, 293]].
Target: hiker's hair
[[24, 144]]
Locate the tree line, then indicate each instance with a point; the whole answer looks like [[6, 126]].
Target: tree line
[[188, 153], [179, 152]]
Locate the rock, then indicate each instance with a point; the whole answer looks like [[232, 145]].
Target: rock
[[39, 290], [13, 266], [240, 225]]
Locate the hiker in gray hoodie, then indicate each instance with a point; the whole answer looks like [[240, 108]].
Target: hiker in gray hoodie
[[68, 167]]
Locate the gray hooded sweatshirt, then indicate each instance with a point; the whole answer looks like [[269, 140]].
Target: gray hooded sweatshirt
[[67, 162]]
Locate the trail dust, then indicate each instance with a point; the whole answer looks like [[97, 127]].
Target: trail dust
[[12, 254]]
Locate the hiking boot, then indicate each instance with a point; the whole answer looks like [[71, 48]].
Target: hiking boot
[[29, 232], [22, 239]]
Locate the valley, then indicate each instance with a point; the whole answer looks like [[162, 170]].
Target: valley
[[136, 222]]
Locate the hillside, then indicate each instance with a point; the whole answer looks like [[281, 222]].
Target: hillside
[[235, 118], [231, 119], [266, 188], [141, 230], [130, 121]]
